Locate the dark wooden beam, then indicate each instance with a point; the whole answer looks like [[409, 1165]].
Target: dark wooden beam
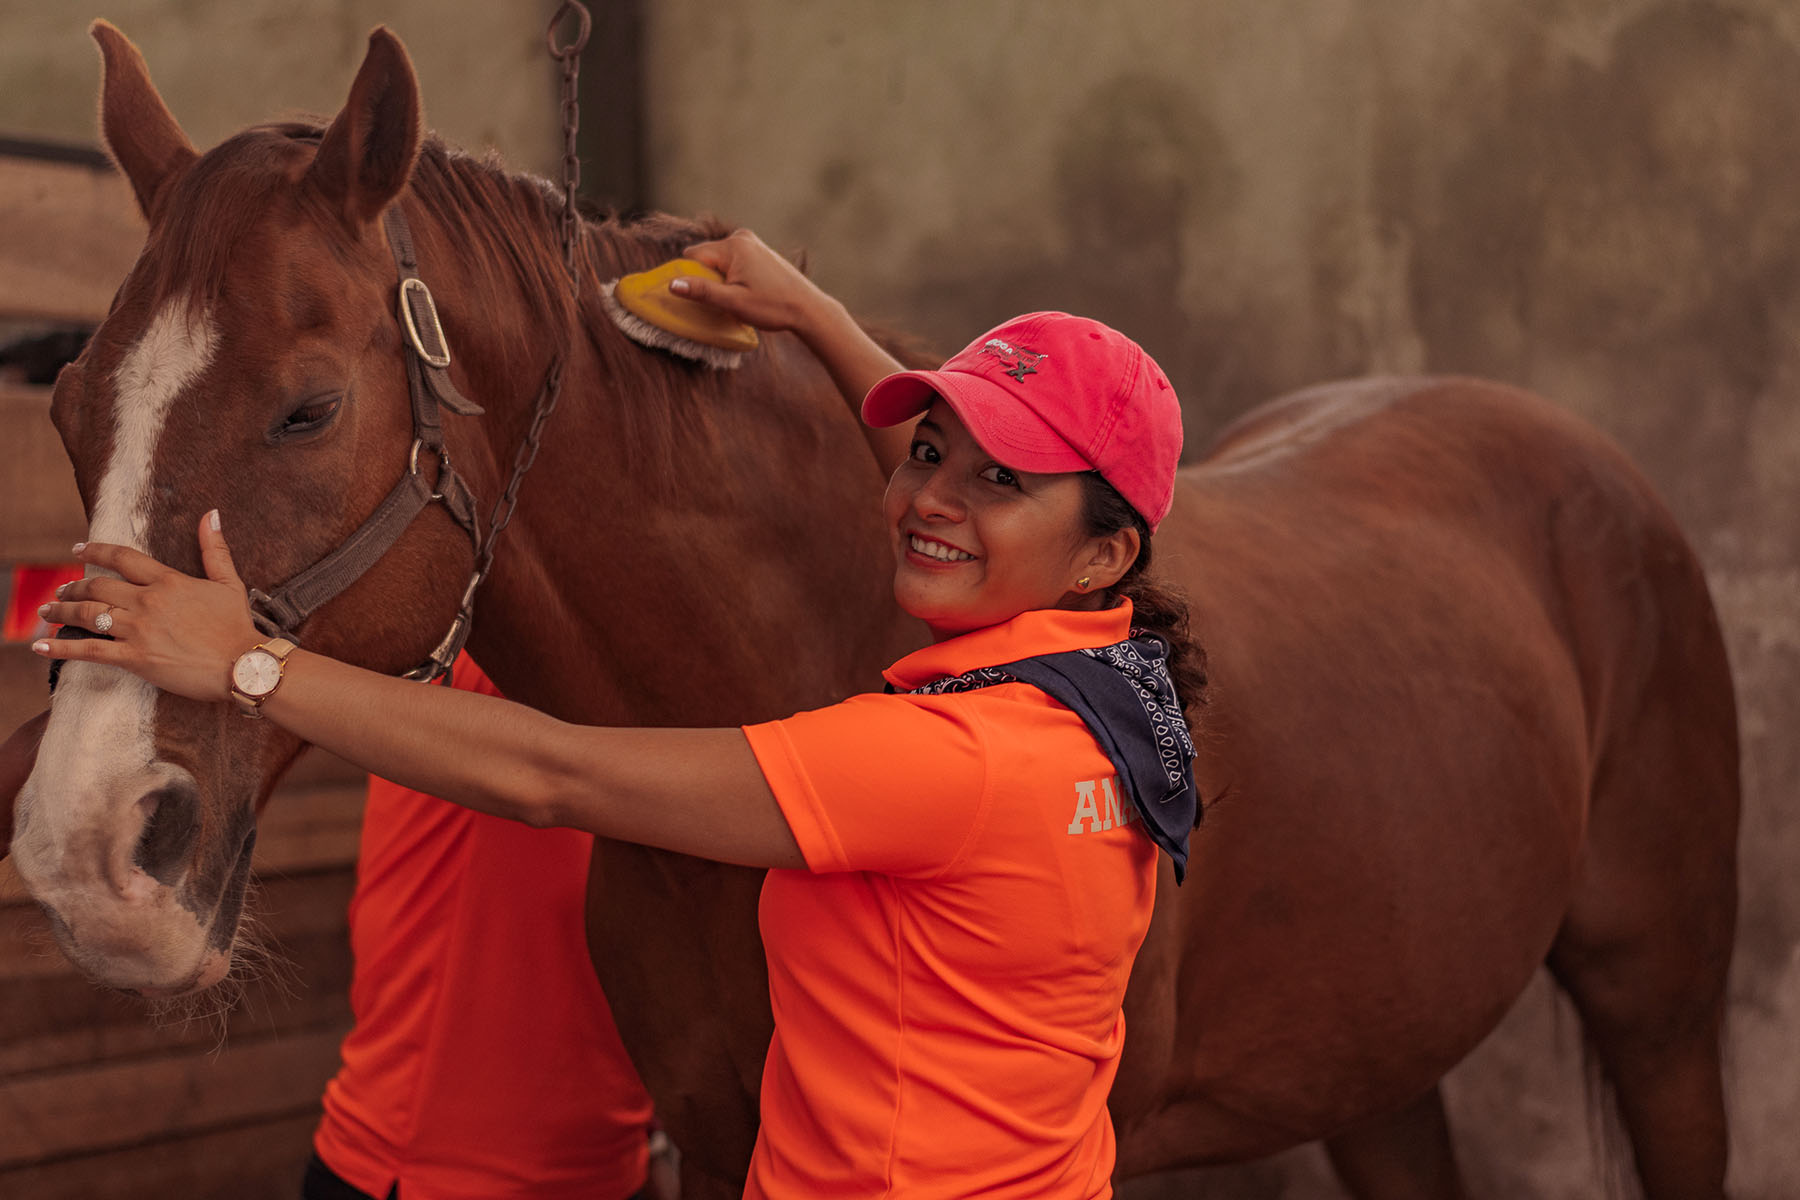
[[611, 139]]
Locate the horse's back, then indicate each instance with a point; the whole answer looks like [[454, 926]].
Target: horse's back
[[1418, 599]]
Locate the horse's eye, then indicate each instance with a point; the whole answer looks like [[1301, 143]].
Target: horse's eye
[[309, 417]]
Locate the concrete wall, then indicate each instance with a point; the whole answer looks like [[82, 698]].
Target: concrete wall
[[225, 64], [1594, 199]]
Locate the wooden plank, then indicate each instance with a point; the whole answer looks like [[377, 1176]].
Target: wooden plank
[[50, 1017], [287, 907], [101, 1027], [309, 828], [265, 1159], [83, 234], [40, 510], [118, 1105]]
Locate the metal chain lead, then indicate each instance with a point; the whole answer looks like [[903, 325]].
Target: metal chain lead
[[501, 517], [522, 460], [570, 57]]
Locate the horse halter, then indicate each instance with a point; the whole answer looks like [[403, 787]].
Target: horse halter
[[280, 613]]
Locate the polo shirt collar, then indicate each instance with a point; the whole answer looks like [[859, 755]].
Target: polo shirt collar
[[1040, 631]]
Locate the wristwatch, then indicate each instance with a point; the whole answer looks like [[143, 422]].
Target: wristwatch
[[257, 673]]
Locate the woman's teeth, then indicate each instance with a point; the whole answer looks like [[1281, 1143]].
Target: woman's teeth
[[937, 550]]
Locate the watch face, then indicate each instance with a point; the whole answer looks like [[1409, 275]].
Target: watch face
[[256, 673]]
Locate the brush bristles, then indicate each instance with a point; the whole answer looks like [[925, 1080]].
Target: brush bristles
[[658, 338]]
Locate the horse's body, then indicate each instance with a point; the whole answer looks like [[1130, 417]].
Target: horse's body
[[1470, 709]]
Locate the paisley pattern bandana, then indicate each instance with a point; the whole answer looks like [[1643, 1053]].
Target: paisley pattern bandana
[[1124, 695]]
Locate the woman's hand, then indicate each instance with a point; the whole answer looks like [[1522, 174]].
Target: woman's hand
[[761, 287], [177, 632], [764, 289]]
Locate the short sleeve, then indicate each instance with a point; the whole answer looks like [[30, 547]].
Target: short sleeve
[[886, 783]]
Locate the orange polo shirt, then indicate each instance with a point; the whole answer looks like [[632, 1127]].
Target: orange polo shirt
[[484, 1064], [947, 976]]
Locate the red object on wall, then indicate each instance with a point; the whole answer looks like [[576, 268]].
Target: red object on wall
[[34, 584]]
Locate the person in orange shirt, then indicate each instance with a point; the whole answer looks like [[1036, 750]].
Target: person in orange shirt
[[963, 866], [460, 1082]]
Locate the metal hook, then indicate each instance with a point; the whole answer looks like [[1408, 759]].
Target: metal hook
[[585, 26]]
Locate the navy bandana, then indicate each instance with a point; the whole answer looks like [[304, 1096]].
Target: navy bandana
[[1125, 696]]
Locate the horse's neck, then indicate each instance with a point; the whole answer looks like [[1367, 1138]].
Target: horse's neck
[[708, 556]]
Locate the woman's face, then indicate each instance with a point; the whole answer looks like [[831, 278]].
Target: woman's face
[[976, 543]]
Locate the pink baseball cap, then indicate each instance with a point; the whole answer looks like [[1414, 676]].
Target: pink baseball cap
[[1048, 392]]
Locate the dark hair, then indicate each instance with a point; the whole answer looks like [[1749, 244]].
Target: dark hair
[[1157, 608]]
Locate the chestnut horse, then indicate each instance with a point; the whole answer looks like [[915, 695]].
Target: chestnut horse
[[1471, 707]]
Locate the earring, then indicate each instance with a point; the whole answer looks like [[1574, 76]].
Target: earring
[[1083, 582]]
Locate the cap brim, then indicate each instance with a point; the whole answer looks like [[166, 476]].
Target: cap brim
[[1006, 428]]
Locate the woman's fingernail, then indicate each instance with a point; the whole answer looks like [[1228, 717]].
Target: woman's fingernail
[[79, 547], [43, 610], [679, 286], [40, 647], [212, 518], [60, 589]]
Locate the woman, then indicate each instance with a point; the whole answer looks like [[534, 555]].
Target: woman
[[964, 868]]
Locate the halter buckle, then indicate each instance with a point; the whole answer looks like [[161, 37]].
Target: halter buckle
[[412, 463], [413, 284]]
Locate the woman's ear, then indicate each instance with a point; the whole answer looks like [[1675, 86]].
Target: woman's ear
[[1113, 556]]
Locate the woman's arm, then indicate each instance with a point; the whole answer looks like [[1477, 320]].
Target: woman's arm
[[764, 289], [698, 791]]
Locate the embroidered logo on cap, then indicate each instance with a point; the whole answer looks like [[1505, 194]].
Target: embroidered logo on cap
[[1023, 362]]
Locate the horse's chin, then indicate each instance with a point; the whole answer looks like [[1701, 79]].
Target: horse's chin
[[212, 971]]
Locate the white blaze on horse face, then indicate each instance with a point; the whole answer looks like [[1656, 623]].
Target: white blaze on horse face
[[80, 808], [173, 352]]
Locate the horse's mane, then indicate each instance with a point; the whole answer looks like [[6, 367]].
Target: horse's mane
[[511, 218], [506, 226]]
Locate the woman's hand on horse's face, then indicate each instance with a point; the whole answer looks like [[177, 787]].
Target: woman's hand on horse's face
[[761, 287], [178, 632]]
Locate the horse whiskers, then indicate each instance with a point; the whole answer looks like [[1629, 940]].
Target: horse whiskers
[[209, 1008], [257, 965], [256, 957]]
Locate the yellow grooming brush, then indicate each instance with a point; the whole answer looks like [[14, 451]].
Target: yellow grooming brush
[[648, 312]]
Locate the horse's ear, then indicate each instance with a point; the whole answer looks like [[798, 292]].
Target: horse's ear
[[140, 131], [367, 154]]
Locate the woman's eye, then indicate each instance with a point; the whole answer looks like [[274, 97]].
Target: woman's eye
[[924, 452], [309, 417], [1001, 475]]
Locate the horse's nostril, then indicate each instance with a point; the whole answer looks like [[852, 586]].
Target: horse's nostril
[[170, 825]]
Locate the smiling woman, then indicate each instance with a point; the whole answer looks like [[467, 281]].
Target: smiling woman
[[950, 800]]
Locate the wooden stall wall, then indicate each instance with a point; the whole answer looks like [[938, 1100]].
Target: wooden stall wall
[[98, 1098]]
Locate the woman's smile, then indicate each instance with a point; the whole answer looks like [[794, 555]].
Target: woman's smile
[[976, 542], [937, 551]]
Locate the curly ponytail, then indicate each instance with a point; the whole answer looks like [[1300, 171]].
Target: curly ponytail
[[1157, 608]]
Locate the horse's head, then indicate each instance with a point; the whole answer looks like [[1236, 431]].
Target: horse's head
[[251, 362]]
